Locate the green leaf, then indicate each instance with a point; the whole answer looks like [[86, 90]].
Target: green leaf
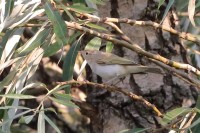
[[51, 123], [52, 49], [100, 2], [33, 85], [67, 12], [195, 126], [16, 116], [26, 119], [95, 26], [69, 61], [94, 44], [191, 11], [173, 114], [4, 41], [7, 80], [81, 8], [18, 96], [64, 102], [171, 2], [66, 97], [8, 8], [35, 41], [135, 130], [58, 87], [41, 122], [109, 46], [58, 23], [161, 3]]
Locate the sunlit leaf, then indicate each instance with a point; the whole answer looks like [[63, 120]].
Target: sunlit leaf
[[33, 85], [41, 122], [63, 102], [191, 11], [18, 96], [169, 5], [100, 2], [135, 130]]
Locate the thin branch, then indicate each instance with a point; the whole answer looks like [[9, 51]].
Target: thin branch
[[115, 89], [136, 48], [96, 19], [184, 35]]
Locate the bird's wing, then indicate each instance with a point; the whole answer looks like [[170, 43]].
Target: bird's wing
[[115, 60]]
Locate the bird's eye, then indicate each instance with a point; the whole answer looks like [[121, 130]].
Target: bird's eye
[[86, 53]]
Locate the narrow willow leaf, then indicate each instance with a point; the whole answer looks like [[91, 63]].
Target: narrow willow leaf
[[52, 124], [4, 41], [64, 102], [173, 114], [195, 126], [99, 2], [35, 41], [198, 102], [109, 46], [161, 3], [18, 96], [8, 63], [50, 109], [11, 44], [7, 80], [8, 8], [69, 61], [94, 44], [169, 5], [16, 116], [67, 12], [12, 107], [191, 11], [81, 8], [52, 49], [66, 97], [95, 26], [58, 23], [135, 130], [41, 122], [58, 87], [26, 119], [21, 13], [34, 61], [33, 85]]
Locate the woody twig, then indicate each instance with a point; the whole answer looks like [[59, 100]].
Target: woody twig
[[115, 89]]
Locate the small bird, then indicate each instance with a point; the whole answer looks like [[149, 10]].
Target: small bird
[[110, 66]]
